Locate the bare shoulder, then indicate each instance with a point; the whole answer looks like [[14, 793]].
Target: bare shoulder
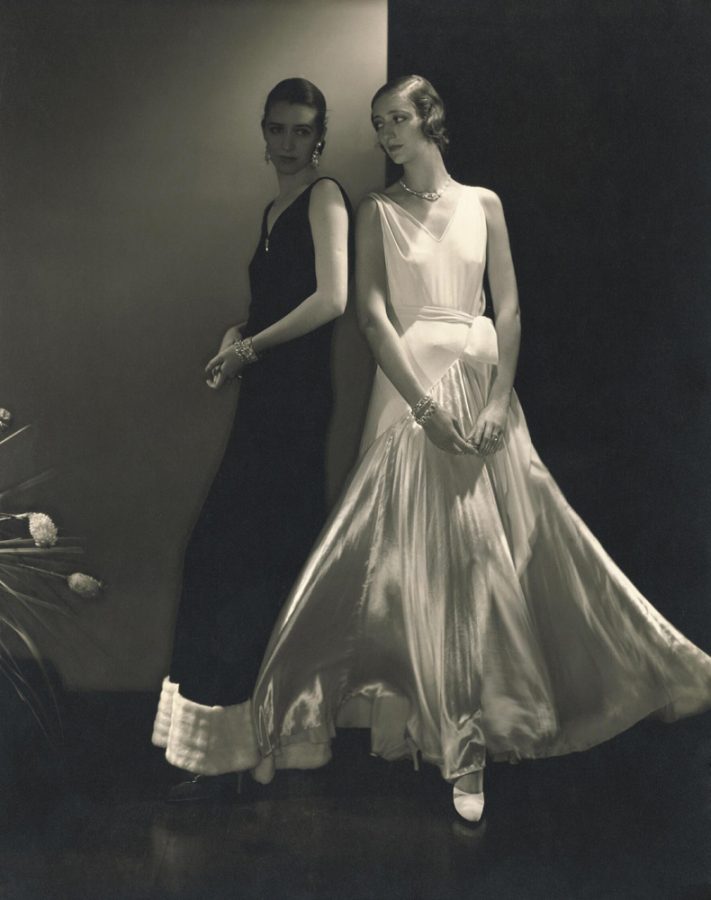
[[368, 231], [325, 195], [488, 199], [493, 209], [367, 210]]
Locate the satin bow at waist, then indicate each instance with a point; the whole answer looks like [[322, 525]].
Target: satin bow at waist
[[477, 344]]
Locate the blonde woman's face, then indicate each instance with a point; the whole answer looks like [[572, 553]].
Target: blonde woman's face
[[291, 135], [398, 127]]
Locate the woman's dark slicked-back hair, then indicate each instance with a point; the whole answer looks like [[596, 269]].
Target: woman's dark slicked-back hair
[[426, 101], [298, 90]]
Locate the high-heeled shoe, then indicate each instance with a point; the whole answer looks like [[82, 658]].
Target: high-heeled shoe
[[205, 787], [469, 806]]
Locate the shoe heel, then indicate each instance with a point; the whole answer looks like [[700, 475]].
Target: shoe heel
[[415, 754]]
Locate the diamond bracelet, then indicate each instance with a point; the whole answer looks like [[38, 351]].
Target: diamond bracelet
[[245, 351], [423, 409]]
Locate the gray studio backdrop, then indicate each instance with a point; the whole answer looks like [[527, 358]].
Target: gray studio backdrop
[[133, 182]]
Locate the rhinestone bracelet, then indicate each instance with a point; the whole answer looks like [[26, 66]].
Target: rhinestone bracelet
[[427, 414], [421, 405], [423, 409], [245, 351]]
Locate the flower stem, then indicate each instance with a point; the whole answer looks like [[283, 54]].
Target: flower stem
[[40, 569]]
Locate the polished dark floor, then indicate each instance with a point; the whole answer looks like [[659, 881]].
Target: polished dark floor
[[631, 819]]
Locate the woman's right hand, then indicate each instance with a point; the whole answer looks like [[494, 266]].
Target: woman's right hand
[[445, 432], [231, 335], [216, 376]]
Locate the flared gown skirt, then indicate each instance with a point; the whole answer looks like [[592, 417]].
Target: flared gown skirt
[[459, 607]]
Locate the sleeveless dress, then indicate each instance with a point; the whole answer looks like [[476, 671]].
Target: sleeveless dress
[[261, 517], [455, 606]]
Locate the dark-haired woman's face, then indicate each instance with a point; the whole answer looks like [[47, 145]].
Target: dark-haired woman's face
[[398, 127], [291, 135]]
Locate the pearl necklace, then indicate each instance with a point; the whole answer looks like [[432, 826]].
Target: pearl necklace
[[431, 196]]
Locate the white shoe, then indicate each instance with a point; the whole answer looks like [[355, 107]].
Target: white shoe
[[469, 806]]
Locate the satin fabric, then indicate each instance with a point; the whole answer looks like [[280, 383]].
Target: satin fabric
[[458, 607]]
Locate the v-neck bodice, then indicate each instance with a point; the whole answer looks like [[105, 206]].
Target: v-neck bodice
[[436, 298], [282, 271], [282, 275], [423, 225], [267, 231], [425, 270]]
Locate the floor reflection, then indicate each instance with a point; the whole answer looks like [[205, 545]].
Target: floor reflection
[[631, 819]]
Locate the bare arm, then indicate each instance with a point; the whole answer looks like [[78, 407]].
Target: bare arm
[[328, 220], [383, 339], [504, 295], [371, 300]]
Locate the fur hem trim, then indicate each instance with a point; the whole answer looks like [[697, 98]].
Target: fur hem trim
[[206, 740]]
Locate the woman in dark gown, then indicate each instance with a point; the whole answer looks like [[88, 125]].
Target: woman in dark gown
[[267, 502]]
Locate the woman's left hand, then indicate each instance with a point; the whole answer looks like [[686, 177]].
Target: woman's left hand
[[488, 434], [224, 367]]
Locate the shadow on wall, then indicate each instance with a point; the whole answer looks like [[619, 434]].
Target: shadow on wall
[[133, 187]]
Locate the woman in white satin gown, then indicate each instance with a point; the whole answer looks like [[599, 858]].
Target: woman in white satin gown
[[455, 604]]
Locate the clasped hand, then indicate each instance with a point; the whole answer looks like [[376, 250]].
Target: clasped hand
[[485, 438], [226, 365]]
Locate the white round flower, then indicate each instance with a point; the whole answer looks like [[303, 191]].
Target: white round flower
[[84, 585], [42, 529]]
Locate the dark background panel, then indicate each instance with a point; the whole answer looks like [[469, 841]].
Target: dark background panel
[[590, 120]]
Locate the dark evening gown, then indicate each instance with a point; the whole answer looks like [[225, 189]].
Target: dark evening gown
[[262, 514]]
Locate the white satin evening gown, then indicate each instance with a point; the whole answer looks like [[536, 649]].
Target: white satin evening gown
[[455, 606]]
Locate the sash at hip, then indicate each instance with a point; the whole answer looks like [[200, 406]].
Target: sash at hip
[[435, 338]]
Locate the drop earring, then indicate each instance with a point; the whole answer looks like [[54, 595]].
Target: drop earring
[[316, 156], [267, 155]]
